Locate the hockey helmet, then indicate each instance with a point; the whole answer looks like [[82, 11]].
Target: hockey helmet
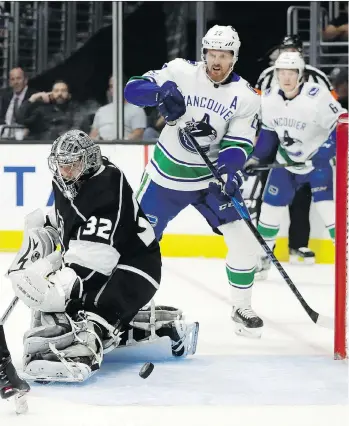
[[77, 152], [221, 38], [291, 61], [291, 41]]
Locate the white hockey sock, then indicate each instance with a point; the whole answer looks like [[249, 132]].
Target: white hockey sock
[[269, 222], [240, 261], [327, 212], [241, 298]]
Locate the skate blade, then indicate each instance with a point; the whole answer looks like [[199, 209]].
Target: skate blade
[[251, 333], [298, 260], [192, 338], [21, 403]]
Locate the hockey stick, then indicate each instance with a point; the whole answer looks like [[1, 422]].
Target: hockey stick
[[271, 166], [241, 208], [8, 311]]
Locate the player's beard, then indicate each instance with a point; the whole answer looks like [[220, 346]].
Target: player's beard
[[223, 76]]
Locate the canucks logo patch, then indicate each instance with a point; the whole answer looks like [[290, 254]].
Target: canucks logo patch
[[202, 131], [289, 142], [153, 220]]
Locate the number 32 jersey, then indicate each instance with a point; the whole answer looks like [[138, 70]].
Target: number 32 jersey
[[104, 227]]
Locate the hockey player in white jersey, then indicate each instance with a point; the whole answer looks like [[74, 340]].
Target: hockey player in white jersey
[[221, 109], [311, 74], [300, 119], [299, 230]]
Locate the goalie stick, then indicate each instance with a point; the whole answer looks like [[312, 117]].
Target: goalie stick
[[321, 320]]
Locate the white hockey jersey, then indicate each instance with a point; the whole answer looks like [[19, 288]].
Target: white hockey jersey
[[302, 124], [226, 117]]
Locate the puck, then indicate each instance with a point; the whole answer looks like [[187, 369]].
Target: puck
[[146, 370]]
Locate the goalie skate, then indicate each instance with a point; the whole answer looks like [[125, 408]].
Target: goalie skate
[[184, 338], [302, 256]]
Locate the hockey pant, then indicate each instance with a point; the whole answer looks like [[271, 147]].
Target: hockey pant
[[123, 294], [161, 205], [279, 192], [299, 230]]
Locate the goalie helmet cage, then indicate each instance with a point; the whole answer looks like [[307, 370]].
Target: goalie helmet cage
[[342, 241]]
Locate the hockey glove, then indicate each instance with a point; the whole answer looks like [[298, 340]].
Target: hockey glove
[[325, 153], [249, 166], [232, 180], [171, 104]]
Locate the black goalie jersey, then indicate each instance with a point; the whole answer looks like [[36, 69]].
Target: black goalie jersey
[[104, 228]]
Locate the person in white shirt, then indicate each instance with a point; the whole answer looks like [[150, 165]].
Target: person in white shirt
[[103, 127]]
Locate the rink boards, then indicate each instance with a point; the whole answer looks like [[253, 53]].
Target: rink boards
[[25, 183]]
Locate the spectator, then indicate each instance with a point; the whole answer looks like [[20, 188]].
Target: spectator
[[341, 86], [337, 29], [49, 114], [156, 123], [12, 98], [103, 127]]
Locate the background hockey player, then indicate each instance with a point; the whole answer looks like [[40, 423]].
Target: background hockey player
[[299, 230], [84, 297], [300, 120], [221, 109], [292, 43]]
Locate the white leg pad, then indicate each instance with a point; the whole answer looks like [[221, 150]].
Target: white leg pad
[[52, 371]]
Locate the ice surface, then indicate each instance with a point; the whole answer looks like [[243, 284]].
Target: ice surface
[[288, 377]]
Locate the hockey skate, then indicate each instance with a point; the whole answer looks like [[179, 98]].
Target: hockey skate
[[168, 321], [262, 268], [184, 337], [247, 322], [10, 383], [302, 256]]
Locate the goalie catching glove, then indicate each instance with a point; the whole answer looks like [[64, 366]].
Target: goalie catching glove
[[44, 286], [38, 241]]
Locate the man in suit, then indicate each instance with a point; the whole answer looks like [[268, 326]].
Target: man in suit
[[12, 97]]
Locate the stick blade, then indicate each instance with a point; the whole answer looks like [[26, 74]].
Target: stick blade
[[326, 322]]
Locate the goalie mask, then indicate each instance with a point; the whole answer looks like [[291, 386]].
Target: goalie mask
[[74, 156], [221, 38]]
